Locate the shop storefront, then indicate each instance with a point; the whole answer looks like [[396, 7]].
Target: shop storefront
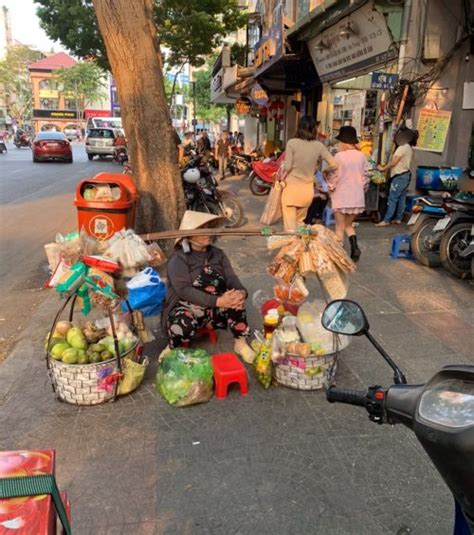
[[355, 56], [55, 119]]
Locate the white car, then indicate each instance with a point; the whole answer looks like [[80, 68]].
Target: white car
[[100, 142]]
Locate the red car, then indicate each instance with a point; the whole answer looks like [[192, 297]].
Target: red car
[[51, 146]]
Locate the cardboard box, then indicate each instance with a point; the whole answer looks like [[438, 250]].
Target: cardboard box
[[33, 514]]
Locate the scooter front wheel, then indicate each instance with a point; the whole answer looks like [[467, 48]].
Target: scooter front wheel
[[453, 242], [421, 231], [233, 212], [256, 188]]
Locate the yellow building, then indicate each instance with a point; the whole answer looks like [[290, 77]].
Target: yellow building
[[51, 107]]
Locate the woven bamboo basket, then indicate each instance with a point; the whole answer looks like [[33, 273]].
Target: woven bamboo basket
[[84, 384], [309, 373], [87, 384]]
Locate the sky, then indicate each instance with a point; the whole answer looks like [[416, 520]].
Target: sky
[[25, 25]]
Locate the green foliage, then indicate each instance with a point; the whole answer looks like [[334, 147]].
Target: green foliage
[[84, 81], [15, 79], [192, 29], [205, 109]]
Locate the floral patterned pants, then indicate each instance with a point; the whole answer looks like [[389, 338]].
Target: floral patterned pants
[[187, 318]]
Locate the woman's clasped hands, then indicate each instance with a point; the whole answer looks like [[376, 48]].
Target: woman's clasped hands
[[232, 299]]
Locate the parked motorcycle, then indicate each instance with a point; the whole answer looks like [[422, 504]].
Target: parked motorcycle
[[203, 195], [426, 212], [455, 234], [22, 141], [440, 412], [240, 164], [263, 174]]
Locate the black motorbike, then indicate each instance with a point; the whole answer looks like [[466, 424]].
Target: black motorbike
[[453, 235], [426, 212], [120, 155], [440, 412], [21, 141], [3, 147], [203, 195]]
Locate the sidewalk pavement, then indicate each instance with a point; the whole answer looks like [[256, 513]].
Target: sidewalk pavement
[[274, 462]]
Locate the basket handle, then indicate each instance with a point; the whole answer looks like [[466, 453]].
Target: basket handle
[[48, 344]]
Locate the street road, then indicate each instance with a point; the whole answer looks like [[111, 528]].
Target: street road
[[36, 203]]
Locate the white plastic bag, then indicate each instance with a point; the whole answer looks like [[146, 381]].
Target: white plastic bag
[[146, 292], [146, 277], [128, 249]]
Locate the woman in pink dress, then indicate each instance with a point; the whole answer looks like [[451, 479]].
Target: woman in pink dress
[[347, 186]]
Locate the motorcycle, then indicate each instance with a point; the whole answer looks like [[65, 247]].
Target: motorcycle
[[3, 147], [453, 235], [440, 412], [203, 195], [120, 155], [240, 164], [263, 174], [22, 141], [426, 212]]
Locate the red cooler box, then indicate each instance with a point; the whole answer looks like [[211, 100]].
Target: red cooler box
[[106, 204], [29, 515]]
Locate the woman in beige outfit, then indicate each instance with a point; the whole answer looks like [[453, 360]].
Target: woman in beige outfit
[[302, 156]]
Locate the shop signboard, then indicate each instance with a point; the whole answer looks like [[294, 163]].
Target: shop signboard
[[354, 43], [55, 114], [243, 106], [259, 95], [48, 93], [96, 113], [216, 85], [383, 80], [270, 48], [433, 126]]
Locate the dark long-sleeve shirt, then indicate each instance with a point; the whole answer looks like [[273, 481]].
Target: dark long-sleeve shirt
[[184, 268]]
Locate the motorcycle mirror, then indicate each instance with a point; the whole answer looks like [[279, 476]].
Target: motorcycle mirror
[[345, 317]]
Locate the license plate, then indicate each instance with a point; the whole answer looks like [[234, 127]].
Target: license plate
[[51, 144], [413, 219], [441, 224]]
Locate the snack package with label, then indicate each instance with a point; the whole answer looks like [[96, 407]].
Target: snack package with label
[[262, 364], [185, 377]]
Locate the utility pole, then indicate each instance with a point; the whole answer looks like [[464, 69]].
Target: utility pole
[[194, 108]]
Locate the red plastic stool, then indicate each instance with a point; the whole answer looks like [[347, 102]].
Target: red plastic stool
[[209, 331], [228, 369]]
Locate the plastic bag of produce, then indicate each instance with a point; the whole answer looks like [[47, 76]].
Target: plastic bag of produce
[[272, 211], [185, 377], [146, 292]]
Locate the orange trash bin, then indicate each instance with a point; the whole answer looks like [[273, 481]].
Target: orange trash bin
[[106, 204]]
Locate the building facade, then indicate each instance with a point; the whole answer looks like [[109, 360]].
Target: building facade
[[374, 64]]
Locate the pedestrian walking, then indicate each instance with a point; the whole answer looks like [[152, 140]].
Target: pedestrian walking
[[400, 176], [204, 144], [78, 134], [222, 152], [302, 156], [348, 186]]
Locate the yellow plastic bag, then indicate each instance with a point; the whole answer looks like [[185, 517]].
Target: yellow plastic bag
[[133, 374]]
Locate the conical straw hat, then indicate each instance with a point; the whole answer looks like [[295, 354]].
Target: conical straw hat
[[194, 220]]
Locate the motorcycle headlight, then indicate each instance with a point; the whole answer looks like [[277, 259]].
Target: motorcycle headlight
[[449, 402]]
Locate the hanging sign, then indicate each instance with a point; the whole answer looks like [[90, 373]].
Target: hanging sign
[[270, 48], [354, 43], [433, 126], [259, 95], [243, 106], [383, 80]]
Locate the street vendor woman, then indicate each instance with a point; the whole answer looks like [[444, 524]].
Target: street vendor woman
[[203, 290]]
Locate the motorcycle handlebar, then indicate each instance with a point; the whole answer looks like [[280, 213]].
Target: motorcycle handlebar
[[342, 395]]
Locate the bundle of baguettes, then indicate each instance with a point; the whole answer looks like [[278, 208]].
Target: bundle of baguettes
[[315, 252]]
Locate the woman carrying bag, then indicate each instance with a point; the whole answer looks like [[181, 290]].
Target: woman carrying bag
[[302, 156]]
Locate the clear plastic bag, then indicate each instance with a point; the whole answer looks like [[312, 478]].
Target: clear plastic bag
[[128, 249], [185, 377]]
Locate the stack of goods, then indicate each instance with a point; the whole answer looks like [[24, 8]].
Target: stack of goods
[[83, 364], [185, 377], [316, 252], [304, 353]]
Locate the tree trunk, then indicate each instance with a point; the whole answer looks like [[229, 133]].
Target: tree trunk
[[131, 42]]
